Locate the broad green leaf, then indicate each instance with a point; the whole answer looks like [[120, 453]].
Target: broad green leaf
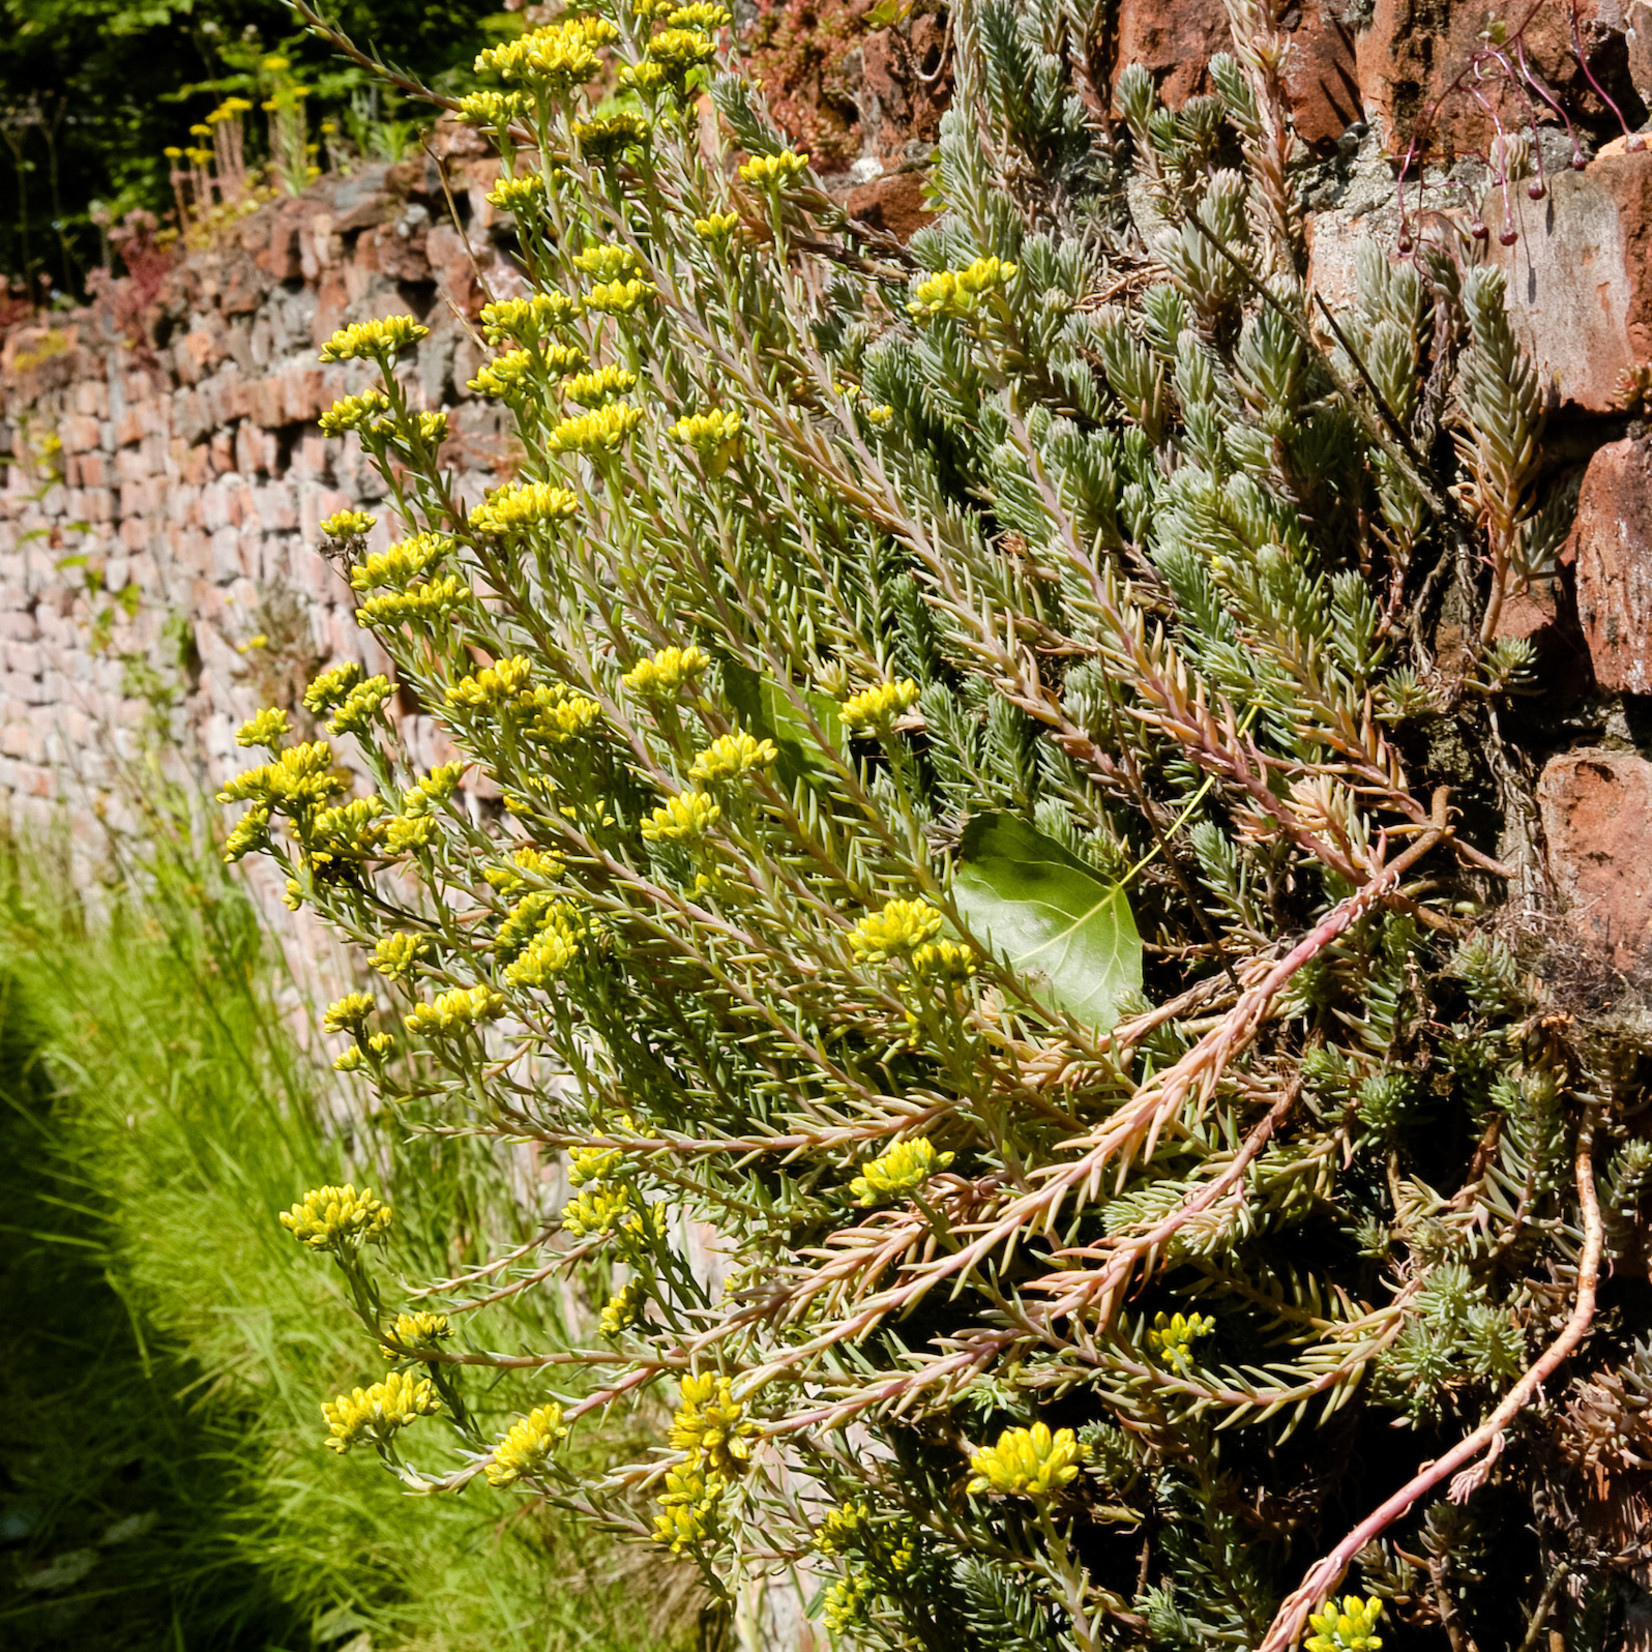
[[1067, 931], [767, 710]]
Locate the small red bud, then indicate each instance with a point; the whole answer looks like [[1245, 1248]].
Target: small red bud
[[1404, 245], [1579, 163], [1478, 230], [1535, 189], [1508, 237]]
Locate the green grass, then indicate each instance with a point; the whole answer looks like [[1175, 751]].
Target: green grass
[[162, 1479]]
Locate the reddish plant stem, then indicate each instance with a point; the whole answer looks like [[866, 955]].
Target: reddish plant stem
[[1488, 1437]]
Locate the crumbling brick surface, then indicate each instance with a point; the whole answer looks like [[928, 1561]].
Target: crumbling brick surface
[[162, 495]]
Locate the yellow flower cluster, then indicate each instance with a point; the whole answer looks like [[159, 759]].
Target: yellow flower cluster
[[431, 428], [299, 779], [553, 59], [434, 600], [492, 108], [718, 227], [608, 136], [701, 15], [559, 714], [601, 1209], [354, 412], [624, 1308], [903, 1169], [505, 377], [874, 709], [645, 77], [601, 387], [268, 729], [432, 789], [845, 1603], [527, 1446], [523, 320], [250, 834], [374, 340], [512, 374], [1173, 1335], [1348, 1628], [407, 833], [353, 1058], [377, 1413], [593, 1164], [712, 1426], [456, 1011], [843, 1529], [347, 525], [526, 862], [523, 505], [493, 685], [540, 938], [618, 297], [526, 192], [959, 292], [331, 686], [678, 51], [396, 954], [550, 711], [896, 931], [348, 831], [347, 1014], [771, 171], [662, 674], [689, 1507], [337, 1219], [400, 564], [944, 961], [605, 262], [600, 431], [730, 756], [680, 818], [361, 705], [706, 432], [418, 1330], [1027, 1462]]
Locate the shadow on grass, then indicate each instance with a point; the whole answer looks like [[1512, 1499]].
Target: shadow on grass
[[111, 1486], [165, 1344]]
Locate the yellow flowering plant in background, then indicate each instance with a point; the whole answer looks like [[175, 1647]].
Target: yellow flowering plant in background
[[941, 850]]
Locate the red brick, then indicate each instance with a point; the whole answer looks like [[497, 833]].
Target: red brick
[[133, 423], [79, 433], [280, 257], [266, 402], [893, 204], [900, 96], [1611, 545], [1597, 819], [304, 394], [1580, 275], [1174, 40], [452, 264]]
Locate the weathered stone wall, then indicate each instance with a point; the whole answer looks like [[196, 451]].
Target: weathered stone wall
[[164, 487], [167, 474]]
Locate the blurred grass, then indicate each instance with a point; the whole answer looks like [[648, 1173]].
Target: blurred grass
[[162, 1480]]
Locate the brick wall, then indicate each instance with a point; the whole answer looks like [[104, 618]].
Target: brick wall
[[166, 479]]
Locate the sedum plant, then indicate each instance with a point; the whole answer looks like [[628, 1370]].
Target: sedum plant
[[952, 848]]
